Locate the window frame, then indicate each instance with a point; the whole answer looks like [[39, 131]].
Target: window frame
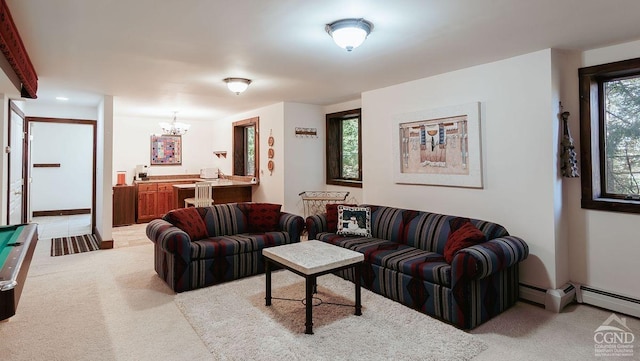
[[592, 136], [240, 147], [333, 146]]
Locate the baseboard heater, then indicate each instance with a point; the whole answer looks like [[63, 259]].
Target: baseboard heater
[[611, 301], [556, 299]]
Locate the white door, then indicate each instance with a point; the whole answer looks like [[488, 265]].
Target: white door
[[16, 176]]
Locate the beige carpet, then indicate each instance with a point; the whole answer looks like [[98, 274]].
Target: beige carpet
[[111, 305], [227, 316]]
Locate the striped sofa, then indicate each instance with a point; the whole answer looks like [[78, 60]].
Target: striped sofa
[[229, 248], [404, 261]]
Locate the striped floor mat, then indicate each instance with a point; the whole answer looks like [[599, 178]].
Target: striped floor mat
[[73, 244]]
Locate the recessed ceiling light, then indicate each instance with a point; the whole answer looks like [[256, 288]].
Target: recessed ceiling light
[[64, 99]]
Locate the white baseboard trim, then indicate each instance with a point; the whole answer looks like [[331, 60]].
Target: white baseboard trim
[[556, 299], [553, 300], [532, 294], [608, 300]]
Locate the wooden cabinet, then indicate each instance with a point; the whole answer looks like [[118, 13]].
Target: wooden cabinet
[[154, 199], [147, 202], [165, 198], [124, 205]]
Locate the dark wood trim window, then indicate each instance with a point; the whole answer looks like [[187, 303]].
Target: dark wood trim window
[[344, 148], [595, 163], [246, 147]]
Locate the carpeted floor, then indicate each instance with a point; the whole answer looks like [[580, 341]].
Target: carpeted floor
[[111, 305], [387, 330], [74, 244]]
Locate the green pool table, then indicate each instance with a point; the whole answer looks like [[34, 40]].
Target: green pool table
[[17, 244]]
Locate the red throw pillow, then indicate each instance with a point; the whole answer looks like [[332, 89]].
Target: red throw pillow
[[466, 235], [190, 221], [263, 217], [332, 215]]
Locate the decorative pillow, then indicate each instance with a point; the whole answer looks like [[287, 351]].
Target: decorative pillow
[[190, 221], [463, 234], [332, 215], [263, 217], [354, 221]]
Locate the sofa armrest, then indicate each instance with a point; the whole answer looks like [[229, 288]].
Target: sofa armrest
[[316, 224], [170, 238], [482, 260], [292, 224]]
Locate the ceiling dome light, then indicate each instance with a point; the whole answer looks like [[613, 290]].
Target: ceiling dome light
[[349, 33], [237, 85]]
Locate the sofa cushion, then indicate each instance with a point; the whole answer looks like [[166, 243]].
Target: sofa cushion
[[354, 221], [235, 244], [405, 259], [224, 219], [262, 217], [188, 220], [332, 215], [463, 234]]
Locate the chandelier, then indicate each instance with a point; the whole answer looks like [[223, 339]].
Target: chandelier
[[175, 127]]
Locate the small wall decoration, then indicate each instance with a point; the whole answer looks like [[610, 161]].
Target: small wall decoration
[[439, 147], [307, 132], [166, 150], [568, 156], [270, 141]]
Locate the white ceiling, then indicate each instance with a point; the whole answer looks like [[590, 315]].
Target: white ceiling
[[157, 56]]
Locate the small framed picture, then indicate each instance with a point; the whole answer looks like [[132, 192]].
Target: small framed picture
[[166, 150]]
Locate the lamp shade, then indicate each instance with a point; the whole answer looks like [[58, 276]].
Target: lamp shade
[[349, 33], [237, 85]]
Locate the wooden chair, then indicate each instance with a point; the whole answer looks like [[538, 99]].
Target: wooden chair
[[203, 195]]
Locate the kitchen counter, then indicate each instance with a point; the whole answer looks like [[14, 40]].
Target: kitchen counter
[[216, 183], [224, 191]]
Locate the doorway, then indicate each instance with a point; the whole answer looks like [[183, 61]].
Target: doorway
[[62, 162], [17, 165]]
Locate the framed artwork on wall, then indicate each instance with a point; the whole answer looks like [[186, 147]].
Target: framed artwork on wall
[[439, 147], [166, 150]]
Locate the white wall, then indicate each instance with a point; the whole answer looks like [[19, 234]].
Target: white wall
[[604, 245], [104, 165], [303, 156], [33, 108], [70, 186], [271, 188], [40, 198], [132, 146], [518, 152]]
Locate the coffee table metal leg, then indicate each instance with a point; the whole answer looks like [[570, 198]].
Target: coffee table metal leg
[[358, 276], [310, 282], [267, 273]]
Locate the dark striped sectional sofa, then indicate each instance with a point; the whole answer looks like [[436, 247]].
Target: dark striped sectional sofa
[[404, 261], [227, 249]]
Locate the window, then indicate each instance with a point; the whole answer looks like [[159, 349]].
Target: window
[[246, 147], [610, 136], [344, 148]]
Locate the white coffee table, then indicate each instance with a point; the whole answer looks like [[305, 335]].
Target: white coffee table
[[311, 259]]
